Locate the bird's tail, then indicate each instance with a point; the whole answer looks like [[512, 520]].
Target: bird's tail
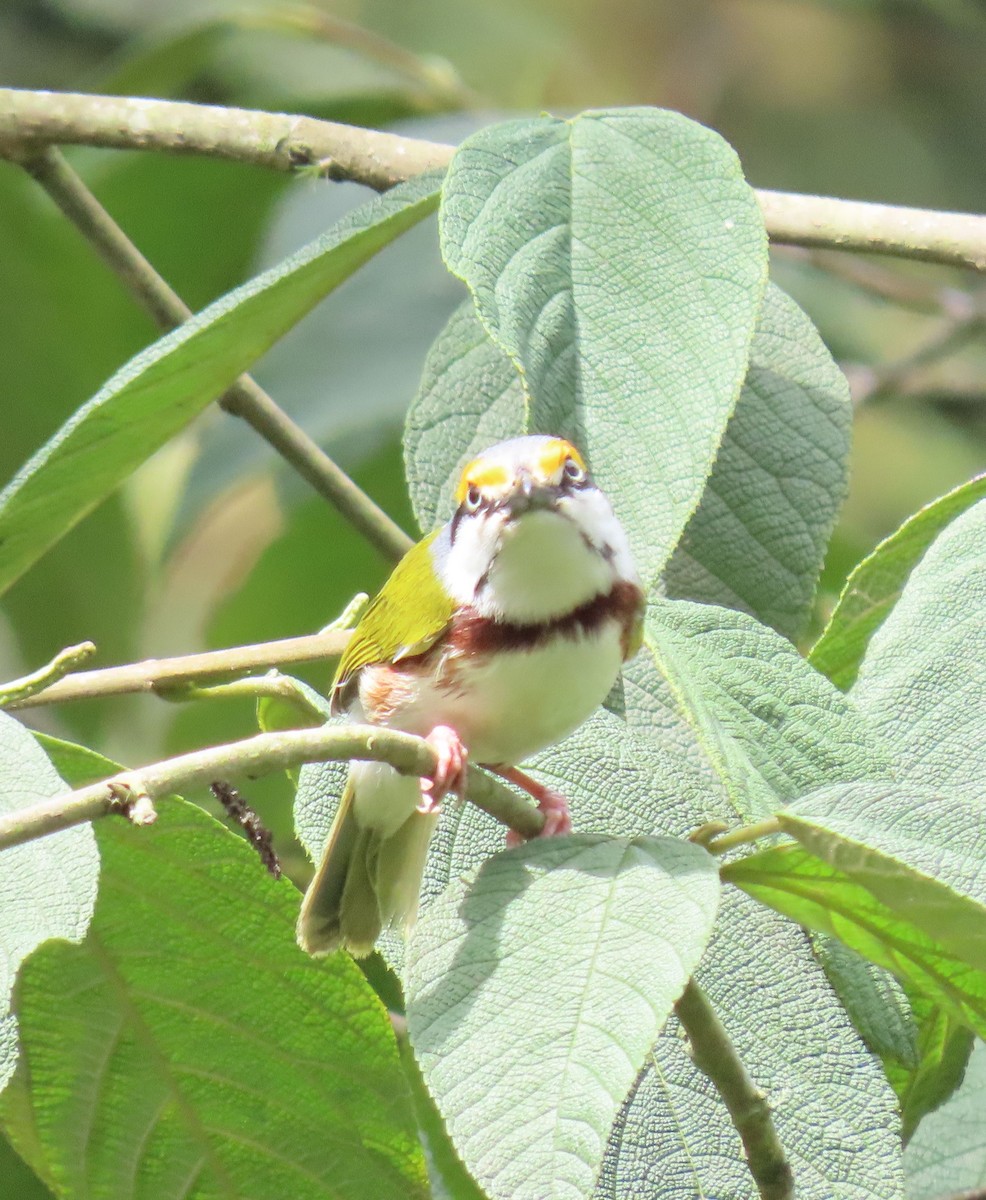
[[370, 873]]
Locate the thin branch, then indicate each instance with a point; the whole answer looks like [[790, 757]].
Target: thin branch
[[255, 756], [285, 143], [274, 140], [887, 283], [715, 1056], [742, 836], [19, 690], [160, 675], [245, 399], [868, 384]]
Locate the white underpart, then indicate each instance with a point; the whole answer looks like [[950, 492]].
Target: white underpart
[[508, 705], [543, 565]]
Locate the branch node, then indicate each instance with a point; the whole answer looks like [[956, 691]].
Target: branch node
[[132, 799]]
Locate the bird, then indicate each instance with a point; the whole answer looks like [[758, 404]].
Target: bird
[[495, 636]]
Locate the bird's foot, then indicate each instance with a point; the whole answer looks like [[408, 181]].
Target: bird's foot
[[557, 819], [450, 772]]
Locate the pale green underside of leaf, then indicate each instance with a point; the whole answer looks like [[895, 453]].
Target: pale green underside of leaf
[[923, 678], [48, 886], [758, 537], [157, 393], [796, 883], [922, 682], [920, 853], [947, 1155], [619, 260], [529, 1077], [202, 1054], [653, 774], [875, 585]]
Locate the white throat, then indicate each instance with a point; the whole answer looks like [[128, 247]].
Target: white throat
[[541, 566]]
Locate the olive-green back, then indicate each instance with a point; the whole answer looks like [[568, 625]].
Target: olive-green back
[[408, 615]]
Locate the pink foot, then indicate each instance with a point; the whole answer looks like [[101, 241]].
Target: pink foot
[[557, 820], [450, 773]]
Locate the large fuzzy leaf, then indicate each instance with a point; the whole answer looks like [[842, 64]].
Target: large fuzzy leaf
[[619, 260], [157, 393], [875, 585], [921, 854], [923, 679], [202, 1054], [818, 895], [666, 773], [758, 538], [947, 1155], [528, 1077], [48, 886]]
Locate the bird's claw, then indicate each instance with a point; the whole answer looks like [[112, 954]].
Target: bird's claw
[[450, 771], [554, 806]]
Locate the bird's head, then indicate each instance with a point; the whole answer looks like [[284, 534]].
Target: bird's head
[[532, 535]]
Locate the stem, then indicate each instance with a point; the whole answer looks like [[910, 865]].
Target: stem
[[715, 1056], [168, 674], [284, 143], [29, 685], [245, 399], [874, 383], [743, 836], [260, 755]]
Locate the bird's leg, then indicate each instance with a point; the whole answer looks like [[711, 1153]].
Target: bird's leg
[[450, 773], [557, 819]]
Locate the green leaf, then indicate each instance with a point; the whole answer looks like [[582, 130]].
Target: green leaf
[[47, 886], [921, 682], [619, 260], [876, 1002], [18, 1179], [652, 777], [943, 1048], [947, 1155], [163, 388], [470, 397], [769, 727], [796, 883], [202, 1054], [875, 585], [529, 1079], [834, 1113], [758, 538], [921, 854]]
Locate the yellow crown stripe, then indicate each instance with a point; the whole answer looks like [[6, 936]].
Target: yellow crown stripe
[[480, 474], [553, 456]]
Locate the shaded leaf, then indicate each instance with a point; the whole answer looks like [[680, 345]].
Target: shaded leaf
[[922, 682], [874, 587], [943, 1048], [794, 882], [619, 259], [470, 397], [921, 854], [159, 391], [948, 1153], [47, 886], [758, 538], [529, 1082], [198, 1091]]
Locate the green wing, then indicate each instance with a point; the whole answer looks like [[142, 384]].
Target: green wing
[[410, 614]]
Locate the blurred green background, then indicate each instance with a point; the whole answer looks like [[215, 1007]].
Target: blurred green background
[[213, 543]]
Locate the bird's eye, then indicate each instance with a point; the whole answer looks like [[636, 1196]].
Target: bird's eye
[[474, 498], [573, 472]]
